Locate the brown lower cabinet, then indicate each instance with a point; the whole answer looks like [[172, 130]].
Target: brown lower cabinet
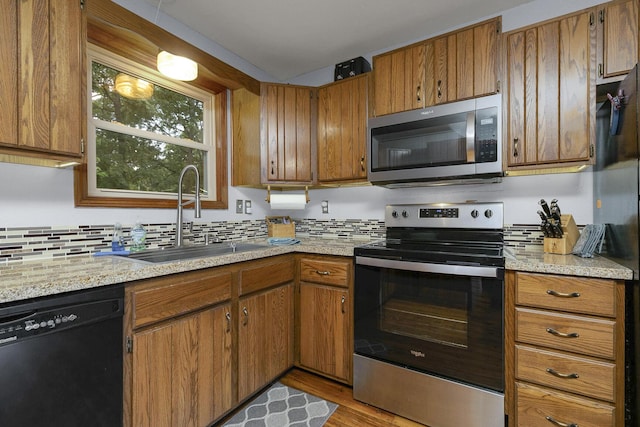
[[265, 338], [199, 343], [564, 350], [325, 317]]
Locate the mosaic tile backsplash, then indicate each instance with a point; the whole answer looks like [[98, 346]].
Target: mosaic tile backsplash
[[51, 242]]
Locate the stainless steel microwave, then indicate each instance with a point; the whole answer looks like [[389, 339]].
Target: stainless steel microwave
[[455, 142]]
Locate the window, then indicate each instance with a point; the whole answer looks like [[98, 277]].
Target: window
[[142, 130]]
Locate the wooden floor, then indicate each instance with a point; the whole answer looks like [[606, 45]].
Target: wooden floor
[[350, 412]]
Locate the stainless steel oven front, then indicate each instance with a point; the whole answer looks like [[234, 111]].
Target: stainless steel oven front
[[428, 336]]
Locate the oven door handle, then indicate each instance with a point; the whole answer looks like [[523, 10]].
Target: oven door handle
[[425, 267]]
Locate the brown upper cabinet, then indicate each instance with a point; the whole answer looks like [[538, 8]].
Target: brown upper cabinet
[[550, 88], [458, 65], [617, 39], [41, 66], [342, 130], [287, 133]]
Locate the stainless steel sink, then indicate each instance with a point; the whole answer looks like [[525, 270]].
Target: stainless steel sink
[[192, 252]]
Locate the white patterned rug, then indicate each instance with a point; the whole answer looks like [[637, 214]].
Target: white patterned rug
[[282, 406]]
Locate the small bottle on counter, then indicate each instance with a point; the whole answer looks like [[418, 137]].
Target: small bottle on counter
[[117, 241], [138, 237]]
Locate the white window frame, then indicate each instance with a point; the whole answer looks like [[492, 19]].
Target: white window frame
[[110, 59]]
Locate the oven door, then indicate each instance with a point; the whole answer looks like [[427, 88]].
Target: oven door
[[445, 320]]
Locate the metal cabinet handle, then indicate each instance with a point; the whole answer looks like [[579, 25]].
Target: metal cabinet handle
[[559, 375], [273, 171], [560, 423], [515, 147], [418, 94], [439, 89], [362, 164], [342, 300], [245, 321], [323, 273], [228, 316], [600, 70], [563, 295], [562, 334]]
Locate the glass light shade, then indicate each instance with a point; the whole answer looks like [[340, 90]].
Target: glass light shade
[[177, 67], [133, 87]]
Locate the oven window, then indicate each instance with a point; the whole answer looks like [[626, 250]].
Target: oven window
[[430, 142], [447, 325], [438, 313]]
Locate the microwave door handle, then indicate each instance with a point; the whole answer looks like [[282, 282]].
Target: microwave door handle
[[471, 137]]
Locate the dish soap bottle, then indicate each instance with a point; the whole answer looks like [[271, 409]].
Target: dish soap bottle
[[138, 237], [117, 241]]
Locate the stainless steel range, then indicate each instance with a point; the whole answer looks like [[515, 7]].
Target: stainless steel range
[[429, 313]]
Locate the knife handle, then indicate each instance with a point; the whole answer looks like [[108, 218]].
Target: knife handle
[[545, 207]]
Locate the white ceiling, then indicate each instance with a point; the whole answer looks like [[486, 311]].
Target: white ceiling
[[288, 38]]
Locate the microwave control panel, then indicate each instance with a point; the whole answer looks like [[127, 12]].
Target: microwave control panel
[[486, 135]]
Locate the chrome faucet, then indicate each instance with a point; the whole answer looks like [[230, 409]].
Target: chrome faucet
[[196, 201]]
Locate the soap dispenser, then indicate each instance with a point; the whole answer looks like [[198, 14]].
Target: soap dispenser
[[117, 241], [138, 237]]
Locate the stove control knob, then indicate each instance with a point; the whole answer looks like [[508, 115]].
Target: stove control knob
[[474, 213], [394, 214], [405, 214], [488, 213]]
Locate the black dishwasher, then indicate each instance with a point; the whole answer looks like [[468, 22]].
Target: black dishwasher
[[61, 360]]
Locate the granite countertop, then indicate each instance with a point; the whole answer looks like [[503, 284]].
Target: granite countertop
[[31, 279], [533, 259]]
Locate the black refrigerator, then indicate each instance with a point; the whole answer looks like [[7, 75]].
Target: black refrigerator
[[617, 204]]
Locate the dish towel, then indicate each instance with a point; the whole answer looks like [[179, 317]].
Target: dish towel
[[282, 241]]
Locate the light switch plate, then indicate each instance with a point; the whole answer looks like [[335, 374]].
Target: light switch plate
[[239, 207]]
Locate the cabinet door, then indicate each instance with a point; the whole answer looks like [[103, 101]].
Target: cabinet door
[[399, 79], [325, 339], [617, 38], [9, 72], [444, 68], [342, 130], [40, 60], [265, 338], [287, 133], [182, 371], [551, 93]]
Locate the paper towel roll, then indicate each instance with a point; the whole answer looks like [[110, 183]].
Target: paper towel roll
[[288, 201]]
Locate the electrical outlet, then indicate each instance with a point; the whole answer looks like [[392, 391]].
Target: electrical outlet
[[239, 207], [247, 207], [325, 206]]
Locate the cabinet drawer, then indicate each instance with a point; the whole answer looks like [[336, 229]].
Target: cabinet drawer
[[325, 272], [584, 335], [266, 275], [179, 294], [574, 294], [579, 375], [535, 404]]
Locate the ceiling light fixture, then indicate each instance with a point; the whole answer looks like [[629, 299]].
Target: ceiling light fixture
[[133, 87], [177, 67]]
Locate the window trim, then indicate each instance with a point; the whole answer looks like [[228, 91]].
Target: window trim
[[218, 149]]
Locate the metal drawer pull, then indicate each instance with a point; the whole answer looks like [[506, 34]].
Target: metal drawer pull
[[559, 423], [323, 273], [562, 334], [342, 300], [246, 316], [559, 375], [228, 316], [562, 295]]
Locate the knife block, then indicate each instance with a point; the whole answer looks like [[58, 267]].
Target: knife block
[[563, 245]]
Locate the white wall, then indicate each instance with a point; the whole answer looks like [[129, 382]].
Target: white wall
[[34, 196]]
